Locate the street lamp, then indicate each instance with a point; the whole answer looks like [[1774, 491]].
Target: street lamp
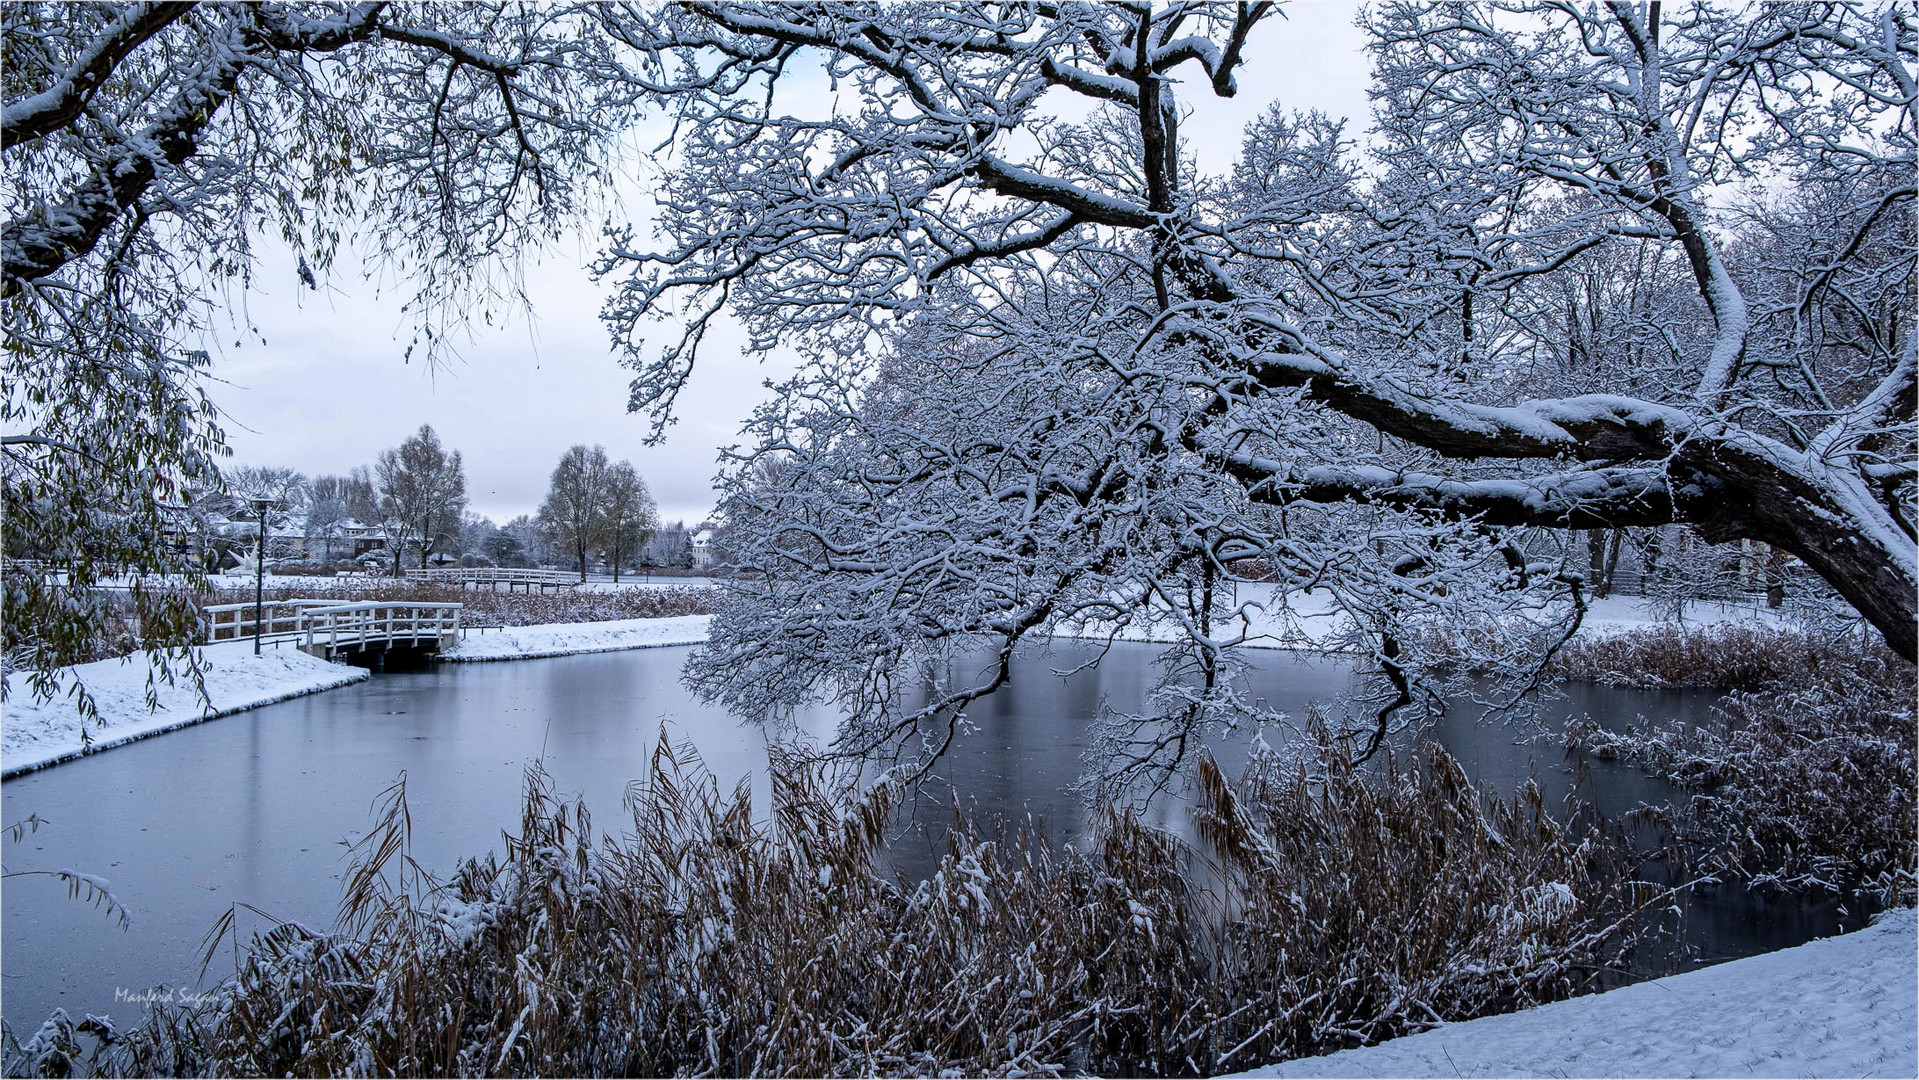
[[260, 507]]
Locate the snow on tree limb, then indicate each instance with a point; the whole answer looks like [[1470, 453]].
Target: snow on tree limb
[[1559, 297]]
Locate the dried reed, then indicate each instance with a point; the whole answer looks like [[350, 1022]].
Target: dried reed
[[1323, 908]]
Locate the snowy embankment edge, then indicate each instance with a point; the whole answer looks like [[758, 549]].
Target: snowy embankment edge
[[123, 726], [35, 735], [1839, 1006], [1314, 625], [575, 639]]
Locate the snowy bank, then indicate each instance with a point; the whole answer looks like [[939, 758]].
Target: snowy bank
[[1315, 623], [1623, 614], [1845, 1006], [34, 734], [566, 639]]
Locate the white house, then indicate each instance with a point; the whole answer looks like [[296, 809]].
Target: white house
[[704, 550]]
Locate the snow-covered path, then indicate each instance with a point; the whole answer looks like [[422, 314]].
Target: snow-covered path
[[34, 734], [1845, 1006]]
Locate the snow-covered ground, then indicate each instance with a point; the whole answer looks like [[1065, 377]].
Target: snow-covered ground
[[38, 733], [1845, 1006], [1618, 614], [565, 639]]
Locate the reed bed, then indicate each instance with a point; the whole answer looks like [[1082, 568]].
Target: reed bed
[[487, 607], [1738, 657], [1323, 908], [1811, 788]]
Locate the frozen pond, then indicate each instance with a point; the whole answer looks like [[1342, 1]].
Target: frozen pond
[[253, 808]]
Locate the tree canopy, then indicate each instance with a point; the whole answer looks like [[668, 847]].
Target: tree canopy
[[1617, 266], [151, 148]]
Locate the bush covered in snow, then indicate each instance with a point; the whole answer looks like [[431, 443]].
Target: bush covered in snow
[[1809, 785], [1345, 906]]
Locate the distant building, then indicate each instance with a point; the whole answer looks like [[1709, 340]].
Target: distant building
[[365, 537], [704, 550]]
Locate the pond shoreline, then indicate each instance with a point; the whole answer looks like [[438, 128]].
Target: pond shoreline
[[119, 685], [36, 735], [463, 740]]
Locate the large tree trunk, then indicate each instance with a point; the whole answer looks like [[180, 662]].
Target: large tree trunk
[[1830, 523], [1596, 562]]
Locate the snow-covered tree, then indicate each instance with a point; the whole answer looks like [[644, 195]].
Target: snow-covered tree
[[671, 546], [361, 496], [148, 150], [422, 495], [503, 548], [327, 514], [475, 531], [530, 545], [283, 487], [1108, 379]]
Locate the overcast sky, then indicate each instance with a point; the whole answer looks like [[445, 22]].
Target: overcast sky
[[328, 388]]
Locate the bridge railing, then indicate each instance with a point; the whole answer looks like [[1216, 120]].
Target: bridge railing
[[279, 619], [343, 626], [332, 622]]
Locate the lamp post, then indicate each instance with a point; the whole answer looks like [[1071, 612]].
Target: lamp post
[[260, 506]]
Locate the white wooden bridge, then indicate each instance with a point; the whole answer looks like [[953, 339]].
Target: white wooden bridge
[[494, 576], [331, 629]]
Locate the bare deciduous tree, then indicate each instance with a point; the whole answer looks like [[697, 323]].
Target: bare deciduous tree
[[422, 494], [573, 515], [630, 517]]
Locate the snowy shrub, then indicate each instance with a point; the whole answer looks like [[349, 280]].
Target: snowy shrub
[[1329, 908], [1804, 788]]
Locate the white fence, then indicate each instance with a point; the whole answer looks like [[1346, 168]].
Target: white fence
[[279, 619], [495, 575]]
